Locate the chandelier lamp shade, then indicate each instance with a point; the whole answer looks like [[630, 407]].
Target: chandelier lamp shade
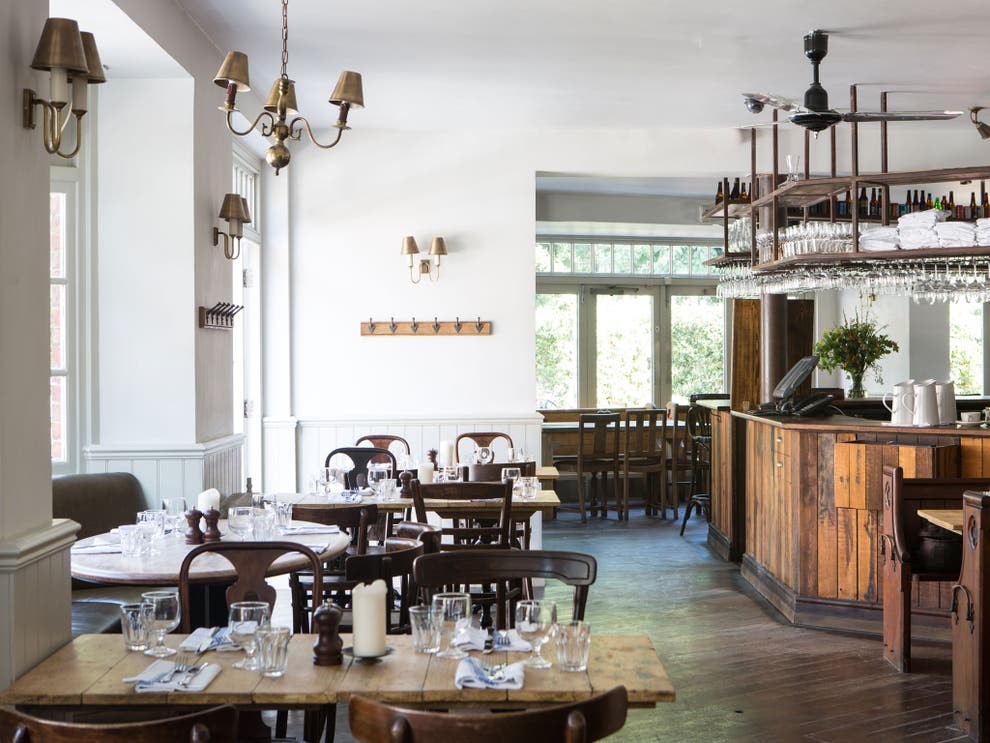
[[72, 61], [429, 265], [234, 211], [280, 118]]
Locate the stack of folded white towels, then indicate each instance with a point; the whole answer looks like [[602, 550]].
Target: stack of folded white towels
[[956, 234], [917, 230], [878, 238], [983, 231]]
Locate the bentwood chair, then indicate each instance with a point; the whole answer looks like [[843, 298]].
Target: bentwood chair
[[479, 439], [360, 456], [679, 461], [395, 561], [576, 722], [597, 455], [464, 532], [699, 429], [500, 568], [645, 453], [356, 519], [214, 725], [385, 441]]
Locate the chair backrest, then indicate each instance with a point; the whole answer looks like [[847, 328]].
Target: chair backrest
[[216, 725], [699, 421], [599, 436], [479, 439], [680, 440], [645, 432], [428, 534], [385, 441], [98, 501], [493, 472], [360, 456], [357, 518], [251, 561], [500, 566], [467, 491], [592, 719], [395, 562]]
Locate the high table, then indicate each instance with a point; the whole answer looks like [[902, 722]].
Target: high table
[[970, 604], [87, 674]]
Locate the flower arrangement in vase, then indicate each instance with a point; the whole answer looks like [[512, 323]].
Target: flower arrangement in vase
[[855, 346]]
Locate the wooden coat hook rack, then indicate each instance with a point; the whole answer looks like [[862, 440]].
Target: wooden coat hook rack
[[436, 327], [219, 317]]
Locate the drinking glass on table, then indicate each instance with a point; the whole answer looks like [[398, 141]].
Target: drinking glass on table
[[151, 524], [240, 521], [378, 472], [175, 514], [528, 487], [244, 619], [453, 608], [514, 474], [273, 650], [535, 621], [448, 474], [163, 617], [131, 540], [573, 645]]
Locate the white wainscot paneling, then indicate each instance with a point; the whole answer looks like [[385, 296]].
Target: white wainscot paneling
[[279, 448]]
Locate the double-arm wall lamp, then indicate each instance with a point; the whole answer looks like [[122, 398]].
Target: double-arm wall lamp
[[281, 104], [73, 62], [429, 264], [234, 211]]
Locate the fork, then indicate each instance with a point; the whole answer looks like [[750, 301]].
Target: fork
[[190, 674], [183, 662]]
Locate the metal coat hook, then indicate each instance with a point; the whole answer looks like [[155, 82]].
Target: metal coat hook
[[436, 325], [392, 326], [479, 325], [371, 324], [457, 325], [414, 326]]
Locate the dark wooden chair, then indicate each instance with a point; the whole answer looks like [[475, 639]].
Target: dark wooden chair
[[214, 725], [479, 439], [466, 530], [384, 441], [903, 562], [251, 560], [699, 430], [428, 534], [597, 454], [644, 452], [357, 520], [394, 561], [576, 722], [680, 455], [502, 567], [360, 456]]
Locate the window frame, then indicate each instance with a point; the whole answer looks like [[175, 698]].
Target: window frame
[[66, 180]]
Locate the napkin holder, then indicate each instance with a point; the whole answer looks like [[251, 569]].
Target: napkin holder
[[328, 648]]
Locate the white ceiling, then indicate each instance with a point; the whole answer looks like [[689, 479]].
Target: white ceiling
[[626, 63]]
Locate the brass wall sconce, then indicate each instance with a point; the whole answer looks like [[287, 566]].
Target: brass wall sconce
[[281, 103], [429, 264], [983, 129], [73, 63], [234, 211]]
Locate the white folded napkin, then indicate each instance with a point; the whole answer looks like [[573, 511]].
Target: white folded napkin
[[346, 497], [470, 675], [311, 529], [469, 637], [220, 641], [317, 548], [149, 680]]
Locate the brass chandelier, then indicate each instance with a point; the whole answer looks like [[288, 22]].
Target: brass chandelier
[[281, 104]]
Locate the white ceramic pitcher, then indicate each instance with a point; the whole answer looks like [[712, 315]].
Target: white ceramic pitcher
[[925, 404], [901, 405], [945, 392]]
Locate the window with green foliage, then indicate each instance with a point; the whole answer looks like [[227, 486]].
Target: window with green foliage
[[697, 346], [556, 350], [627, 257], [966, 347]]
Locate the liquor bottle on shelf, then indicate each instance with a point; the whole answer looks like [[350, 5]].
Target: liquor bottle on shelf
[[915, 202], [985, 206], [874, 204], [972, 212], [845, 207], [938, 203], [928, 202], [718, 194], [744, 194], [906, 206], [863, 206], [951, 205], [734, 193]]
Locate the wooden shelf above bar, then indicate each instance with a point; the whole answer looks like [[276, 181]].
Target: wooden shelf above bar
[[737, 208], [885, 256], [727, 259]]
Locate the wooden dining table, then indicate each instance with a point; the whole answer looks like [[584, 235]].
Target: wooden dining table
[[87, 674], [544, 503]]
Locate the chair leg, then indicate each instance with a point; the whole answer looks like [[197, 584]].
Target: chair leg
[[687, 514], [580, 490], [625, 490]]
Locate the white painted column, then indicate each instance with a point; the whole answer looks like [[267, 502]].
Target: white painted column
[[34, 558]]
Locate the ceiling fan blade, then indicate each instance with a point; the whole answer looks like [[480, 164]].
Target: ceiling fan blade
[[867, 116], [777, 101]]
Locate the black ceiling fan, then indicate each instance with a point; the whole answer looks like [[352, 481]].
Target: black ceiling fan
[[815, 114]]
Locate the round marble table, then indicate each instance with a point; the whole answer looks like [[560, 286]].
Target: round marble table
[[163, 569]]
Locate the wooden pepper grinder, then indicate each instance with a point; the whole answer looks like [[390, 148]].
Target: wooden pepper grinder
[[193, 534], [406, 490], [328, 648], [212, 533]]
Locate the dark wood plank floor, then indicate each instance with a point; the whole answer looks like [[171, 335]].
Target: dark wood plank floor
[[740, 673]]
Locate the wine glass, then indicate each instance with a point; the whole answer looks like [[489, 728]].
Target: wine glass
[[535, 621], [378, 472], [243, 621], [175, 509], [240, 520], [453, 607], [163, 617]]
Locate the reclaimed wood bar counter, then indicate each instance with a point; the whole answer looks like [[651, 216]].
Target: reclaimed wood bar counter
[[798, 502]]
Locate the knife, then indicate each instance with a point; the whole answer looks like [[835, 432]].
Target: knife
[[205, 644]]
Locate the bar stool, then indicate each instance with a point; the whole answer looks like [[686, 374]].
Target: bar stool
[[699, 429]]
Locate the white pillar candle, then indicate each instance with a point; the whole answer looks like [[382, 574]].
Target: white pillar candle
[[445, 454], [59, 85], [425, 472], [368, 611], [208, 499]]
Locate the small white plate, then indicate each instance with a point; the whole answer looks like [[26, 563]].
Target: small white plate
[[969, 424]]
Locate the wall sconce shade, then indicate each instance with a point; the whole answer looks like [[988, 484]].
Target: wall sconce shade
[[348, 90], [438, 247], [428, 264], [234, 70], [60, 47], [409, 247], [234, 210], [93, 62]]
